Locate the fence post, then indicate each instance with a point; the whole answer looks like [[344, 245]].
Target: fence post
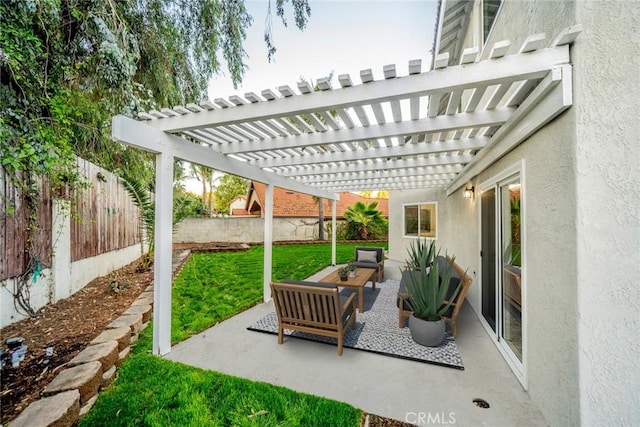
[[60, 286]]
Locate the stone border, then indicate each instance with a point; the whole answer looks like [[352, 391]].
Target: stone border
[[72, 393]]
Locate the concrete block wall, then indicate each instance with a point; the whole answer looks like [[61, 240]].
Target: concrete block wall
[[244, 229]]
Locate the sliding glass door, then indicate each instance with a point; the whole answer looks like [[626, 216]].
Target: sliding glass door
[[488, 255], [511, 272], [501, 262]]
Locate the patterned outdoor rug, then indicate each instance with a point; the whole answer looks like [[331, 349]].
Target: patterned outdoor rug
[[376, 330]]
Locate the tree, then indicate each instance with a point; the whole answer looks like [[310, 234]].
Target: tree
[[205, 176], [229, 188], [320, 202], [363, 215], [67, 67]]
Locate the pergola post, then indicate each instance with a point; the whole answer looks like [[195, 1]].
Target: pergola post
[[268, 240], [334, 225], [162, 254]]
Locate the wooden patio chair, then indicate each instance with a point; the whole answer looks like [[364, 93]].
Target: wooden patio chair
[[314, 308]]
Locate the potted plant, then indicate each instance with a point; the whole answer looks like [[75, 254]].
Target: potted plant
[[343, 272], [427, 287], [352, 270]]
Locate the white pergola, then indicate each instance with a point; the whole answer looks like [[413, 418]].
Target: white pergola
[[429, 129]]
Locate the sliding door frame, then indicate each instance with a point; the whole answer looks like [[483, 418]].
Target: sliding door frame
[[518, 367]]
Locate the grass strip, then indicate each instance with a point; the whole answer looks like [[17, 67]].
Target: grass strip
[[151, 391]]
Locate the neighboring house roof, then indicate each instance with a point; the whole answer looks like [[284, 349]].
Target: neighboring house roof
[[288, 203], [239, 212]]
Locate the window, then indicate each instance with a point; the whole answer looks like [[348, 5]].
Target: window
[[420, 220], [490, 10]]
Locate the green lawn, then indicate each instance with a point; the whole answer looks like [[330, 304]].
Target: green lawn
[[215, 286], [151, 391]]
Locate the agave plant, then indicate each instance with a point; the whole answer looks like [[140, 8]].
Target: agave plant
[[419, 249], [426, 286]]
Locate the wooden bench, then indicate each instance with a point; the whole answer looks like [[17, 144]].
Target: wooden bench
[[452, 314], [312, 307]]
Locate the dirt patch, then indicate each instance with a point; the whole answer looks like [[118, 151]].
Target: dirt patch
[[68, 326], [377, 421]]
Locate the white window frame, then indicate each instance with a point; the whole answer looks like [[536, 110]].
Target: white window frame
[[481, 13], [418, 236]]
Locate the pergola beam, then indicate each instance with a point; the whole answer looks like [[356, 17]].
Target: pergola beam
[[551, 97], [382, 182], [395, 186], [372, 165], [395, 173], [408, 150], [140, 135]]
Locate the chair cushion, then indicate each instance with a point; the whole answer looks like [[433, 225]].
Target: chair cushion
[[403, 288], [366, 256], [348, 311], [453, 284], [455, 278], [365, 264]]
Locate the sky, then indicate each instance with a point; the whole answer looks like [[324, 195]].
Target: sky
[[342, 37]]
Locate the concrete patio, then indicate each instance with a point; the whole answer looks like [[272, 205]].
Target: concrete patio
[[410, 391]]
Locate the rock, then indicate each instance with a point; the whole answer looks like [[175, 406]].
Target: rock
[[132, 321], [144, 326], [60, 410], [106, 353], [143, 301], [121, 335], [108, 376], [86, 378], [123, 355], [149, 288], [146, 294], [144, 310], [84, 410], [134, 337]]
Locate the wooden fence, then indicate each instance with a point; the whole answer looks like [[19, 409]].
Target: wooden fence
[[14, 221], [104, 219], [104, 216]]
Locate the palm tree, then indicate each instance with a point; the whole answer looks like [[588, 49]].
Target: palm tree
[[364, 215], [320, 202], [142, 199], [205, 176]]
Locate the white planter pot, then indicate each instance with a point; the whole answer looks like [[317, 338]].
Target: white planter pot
[[427, 333]]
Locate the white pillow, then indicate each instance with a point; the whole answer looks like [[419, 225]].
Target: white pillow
[[367, 256]]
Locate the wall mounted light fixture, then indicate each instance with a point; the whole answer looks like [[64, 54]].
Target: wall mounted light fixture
[[468, 192]]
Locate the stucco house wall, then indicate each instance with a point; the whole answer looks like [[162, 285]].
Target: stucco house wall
[[606, 108], [581, 210]]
